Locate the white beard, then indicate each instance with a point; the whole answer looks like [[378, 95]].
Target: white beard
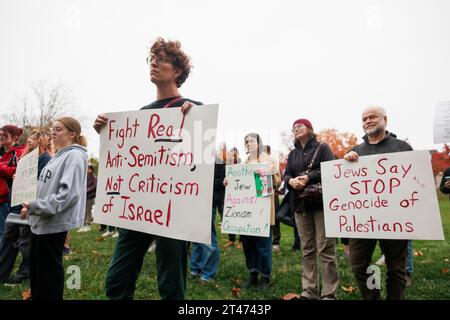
[[372, 130]]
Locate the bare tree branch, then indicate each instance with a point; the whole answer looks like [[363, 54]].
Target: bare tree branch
[[39, 109]]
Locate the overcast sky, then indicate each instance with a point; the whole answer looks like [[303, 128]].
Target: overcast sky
[[266, 63]]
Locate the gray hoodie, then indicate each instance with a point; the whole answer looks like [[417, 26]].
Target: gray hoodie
[[61, 193]]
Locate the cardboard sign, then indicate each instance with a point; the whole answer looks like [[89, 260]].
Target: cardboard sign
[[442, 122], [385, 196], [24, 186], [245, 212], [156, 172]]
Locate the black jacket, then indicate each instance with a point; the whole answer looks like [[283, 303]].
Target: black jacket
[[442, 186], [389, 144], [158, 104], [91, 186], [297, 164], [219, 188]]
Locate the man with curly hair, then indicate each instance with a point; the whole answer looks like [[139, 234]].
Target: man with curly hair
[[169, 68]]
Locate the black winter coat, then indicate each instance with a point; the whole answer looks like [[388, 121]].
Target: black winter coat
[[219, 188], [297, 164]]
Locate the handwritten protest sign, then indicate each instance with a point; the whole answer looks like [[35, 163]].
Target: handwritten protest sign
[[156, 171], [25, 181], [442, 122], [385, 196], [244, 212]]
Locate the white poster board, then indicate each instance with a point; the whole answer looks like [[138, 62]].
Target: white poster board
[[156, 172], [442, 123], [243, 211], [385, 196], [24, 188]]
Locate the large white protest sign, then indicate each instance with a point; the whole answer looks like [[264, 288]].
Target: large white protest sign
[[24, 186], [156, 172], [385, 196], [442, 122], [245, 212]]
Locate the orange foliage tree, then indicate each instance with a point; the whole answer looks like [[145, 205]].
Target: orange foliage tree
[[339, 142], [440, 160]]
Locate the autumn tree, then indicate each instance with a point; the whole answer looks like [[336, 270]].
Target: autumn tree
[[440, 161], [339, 142]]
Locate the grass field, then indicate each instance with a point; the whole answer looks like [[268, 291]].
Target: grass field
[[430, 279]]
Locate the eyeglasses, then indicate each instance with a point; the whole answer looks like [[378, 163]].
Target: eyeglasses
[[158, 58], [298, 127]]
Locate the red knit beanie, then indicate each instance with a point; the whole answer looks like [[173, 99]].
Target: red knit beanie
[[306, 122]]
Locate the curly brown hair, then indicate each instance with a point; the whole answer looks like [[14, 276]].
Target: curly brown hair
[[180, 60]]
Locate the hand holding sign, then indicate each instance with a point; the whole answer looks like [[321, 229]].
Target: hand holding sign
[[102, 119], [265, 171], [186, 107], [151, 171], [24, 211], [245, 212], [25, 179], [386, 196], [352, 156], [100, 122]]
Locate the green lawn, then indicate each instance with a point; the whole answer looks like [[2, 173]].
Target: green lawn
[[92, 256]]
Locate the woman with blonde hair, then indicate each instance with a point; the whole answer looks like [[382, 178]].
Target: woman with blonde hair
[[60, 206]]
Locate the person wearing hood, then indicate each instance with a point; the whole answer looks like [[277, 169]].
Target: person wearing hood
[[59, 207], [12, 151], [303, 168], [376, 141]]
